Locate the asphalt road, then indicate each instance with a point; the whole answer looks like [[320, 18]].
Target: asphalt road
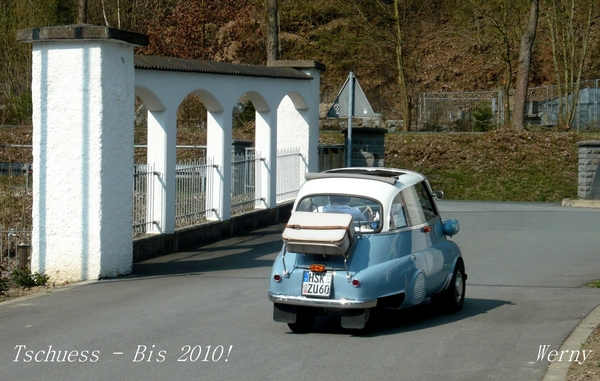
[[204, 315]]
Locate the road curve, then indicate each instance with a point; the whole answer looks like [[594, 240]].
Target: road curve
[[204, 314]]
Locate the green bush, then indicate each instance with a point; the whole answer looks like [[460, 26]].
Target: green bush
[[483, 119], [26, 279]]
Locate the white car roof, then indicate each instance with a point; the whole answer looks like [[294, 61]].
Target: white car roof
[[371, 182]]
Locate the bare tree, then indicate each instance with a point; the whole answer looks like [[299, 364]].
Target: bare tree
[[394, 16], [499, 22], [522, 81], [570, 24], [272, 30]]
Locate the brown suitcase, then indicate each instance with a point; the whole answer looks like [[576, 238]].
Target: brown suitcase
[[319, 233]]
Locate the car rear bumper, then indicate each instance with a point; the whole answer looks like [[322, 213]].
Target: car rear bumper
[[324, 303]]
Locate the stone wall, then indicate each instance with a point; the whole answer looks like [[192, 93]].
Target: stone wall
[[589, 176]]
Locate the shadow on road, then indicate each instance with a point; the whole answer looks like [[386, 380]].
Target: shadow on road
[[259, 248], [420, 317], [242, 252]]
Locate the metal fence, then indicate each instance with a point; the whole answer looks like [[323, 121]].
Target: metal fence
[[290, 163], [22, 173], [480, 110], [245, 179], [15, 246], [194, 187], [194, 184], [454, 111], [143, 192], [543, 105]]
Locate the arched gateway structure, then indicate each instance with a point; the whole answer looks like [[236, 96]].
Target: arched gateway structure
[[84, 82]]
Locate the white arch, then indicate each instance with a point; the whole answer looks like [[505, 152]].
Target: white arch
[[149, 98], [209, 100], [298, 101], [286, 100]]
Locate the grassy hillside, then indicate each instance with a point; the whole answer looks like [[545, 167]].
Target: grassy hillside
[[498, 165]]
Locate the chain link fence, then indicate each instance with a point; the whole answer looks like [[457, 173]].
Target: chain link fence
[[460, 111], [484, 110]]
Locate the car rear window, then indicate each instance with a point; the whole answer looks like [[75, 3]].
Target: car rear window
[[366, 212]]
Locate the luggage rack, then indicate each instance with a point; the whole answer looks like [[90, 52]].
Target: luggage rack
[[330, 234], [345, 255]]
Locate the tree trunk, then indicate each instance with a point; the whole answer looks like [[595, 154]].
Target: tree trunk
[[82, 15], [404, 97], [272, 30], [522, 81]]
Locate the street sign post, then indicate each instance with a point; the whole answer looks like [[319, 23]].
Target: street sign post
[[350, 102]]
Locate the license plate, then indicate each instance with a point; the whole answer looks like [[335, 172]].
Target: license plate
[[316, 284]]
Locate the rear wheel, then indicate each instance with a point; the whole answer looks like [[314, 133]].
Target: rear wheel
[[305, 318], [453, 298]]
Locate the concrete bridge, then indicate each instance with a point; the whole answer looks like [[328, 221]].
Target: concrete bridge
[[84, 82]]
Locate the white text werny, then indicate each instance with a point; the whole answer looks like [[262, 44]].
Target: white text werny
[[544, 353]]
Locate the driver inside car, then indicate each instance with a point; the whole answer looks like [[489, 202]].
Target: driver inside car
[[339, 204]]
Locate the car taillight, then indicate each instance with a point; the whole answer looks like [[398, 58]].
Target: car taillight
[[355, 282], [277, 278], [317, 268]]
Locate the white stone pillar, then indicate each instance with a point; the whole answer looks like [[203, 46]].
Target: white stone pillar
[[266, 170], [162, 155], [219, 141], [83, 104]]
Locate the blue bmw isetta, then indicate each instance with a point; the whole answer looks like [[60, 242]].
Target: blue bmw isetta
[[364, 238]]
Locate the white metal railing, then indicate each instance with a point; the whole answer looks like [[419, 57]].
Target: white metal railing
[[245, 181], [143, 194], [194, 186], [289, 166]]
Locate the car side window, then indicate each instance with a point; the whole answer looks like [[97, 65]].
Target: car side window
[[398, 213], [426, 201], [413, 206], [419, 204]]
